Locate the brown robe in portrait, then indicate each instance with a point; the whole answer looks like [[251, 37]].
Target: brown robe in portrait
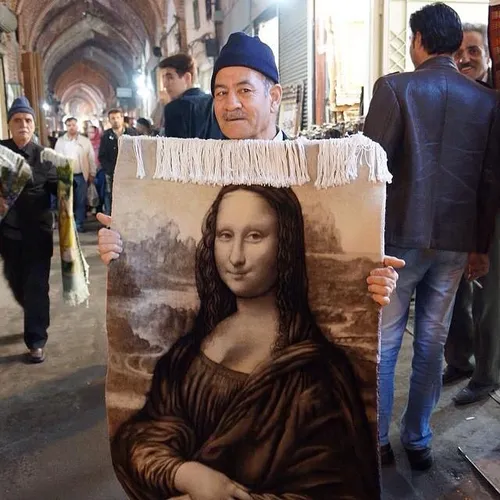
[[294, 429]]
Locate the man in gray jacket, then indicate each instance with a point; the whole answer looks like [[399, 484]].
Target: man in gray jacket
[[435, 126]]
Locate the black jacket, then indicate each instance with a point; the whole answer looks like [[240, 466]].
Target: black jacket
[[191, 116], [108, 149], [441, 134], [30, 218]]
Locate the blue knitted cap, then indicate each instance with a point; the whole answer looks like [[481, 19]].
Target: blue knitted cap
[[247, 51], [20, 105]]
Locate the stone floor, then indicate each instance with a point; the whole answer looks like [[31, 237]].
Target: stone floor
[[53, 443]]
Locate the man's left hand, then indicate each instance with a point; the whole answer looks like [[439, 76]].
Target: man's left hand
[[478, 265], [382, 281], [91, 179]]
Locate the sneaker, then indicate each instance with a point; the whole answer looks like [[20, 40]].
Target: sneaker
[[420, 460], [386, 455], [472, 393], [36, 355], [452, 374]]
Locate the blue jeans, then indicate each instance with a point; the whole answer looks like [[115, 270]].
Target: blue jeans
[[435, 276], [100, 184], [80, 199]]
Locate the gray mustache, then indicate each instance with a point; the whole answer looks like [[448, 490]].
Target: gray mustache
[[233, 116]]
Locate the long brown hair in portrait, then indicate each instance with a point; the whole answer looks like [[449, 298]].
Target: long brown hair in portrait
[[296, 428], [217, 302]]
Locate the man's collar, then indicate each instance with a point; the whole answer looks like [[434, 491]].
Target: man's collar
[[25, 151], [439, 61], [192, 91]]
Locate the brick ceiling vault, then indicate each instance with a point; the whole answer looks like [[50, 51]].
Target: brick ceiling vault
[[89, 47]]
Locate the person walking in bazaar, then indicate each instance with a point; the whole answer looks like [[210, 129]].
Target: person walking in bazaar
[[440, 132], [26, 243]]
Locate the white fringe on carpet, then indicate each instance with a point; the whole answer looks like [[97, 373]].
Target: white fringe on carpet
[[219, 162], [14, 162], [273, 163], [53, 157], [339, 161]]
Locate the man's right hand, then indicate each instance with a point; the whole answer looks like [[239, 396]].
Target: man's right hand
[[109, 244]]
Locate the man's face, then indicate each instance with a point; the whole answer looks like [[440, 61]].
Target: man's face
[[174, 84], [471, 58], [72, 127], [244, 104], [22, 127], [116, 121]]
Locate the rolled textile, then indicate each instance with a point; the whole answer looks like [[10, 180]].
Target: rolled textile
[[14, 174], [74, 267]]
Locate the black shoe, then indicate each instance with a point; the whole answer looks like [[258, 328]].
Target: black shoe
[[472, 393], [36, 355], [420, 460], [386, 455], [452, 374]]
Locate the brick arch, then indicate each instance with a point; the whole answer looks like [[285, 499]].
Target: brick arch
[[84, 73], [145, 16], [75, 41], [82, 76], [86, 93], [96, 59], [119, 34], [73, 15]]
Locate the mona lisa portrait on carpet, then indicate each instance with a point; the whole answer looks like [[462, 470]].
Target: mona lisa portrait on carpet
[[242, 340]]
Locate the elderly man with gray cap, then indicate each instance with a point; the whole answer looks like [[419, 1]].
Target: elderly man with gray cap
[[26, 244]]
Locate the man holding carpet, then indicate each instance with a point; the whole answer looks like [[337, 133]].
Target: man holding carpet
[[26, 231], [247, 96]]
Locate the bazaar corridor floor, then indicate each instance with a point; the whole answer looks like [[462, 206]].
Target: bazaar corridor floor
[[53, 442]]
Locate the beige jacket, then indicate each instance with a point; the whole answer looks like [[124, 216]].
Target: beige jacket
[[82, 152]]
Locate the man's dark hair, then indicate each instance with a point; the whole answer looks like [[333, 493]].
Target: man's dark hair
[[144, 122], [182, 63], [113, 111], [70, 119], [482, 30], [440, 28]]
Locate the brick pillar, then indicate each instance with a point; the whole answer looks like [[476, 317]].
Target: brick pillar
[[31, 66]]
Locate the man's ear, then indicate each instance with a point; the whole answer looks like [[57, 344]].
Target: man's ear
[[276, 93], [188, 78], [417, 40]]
